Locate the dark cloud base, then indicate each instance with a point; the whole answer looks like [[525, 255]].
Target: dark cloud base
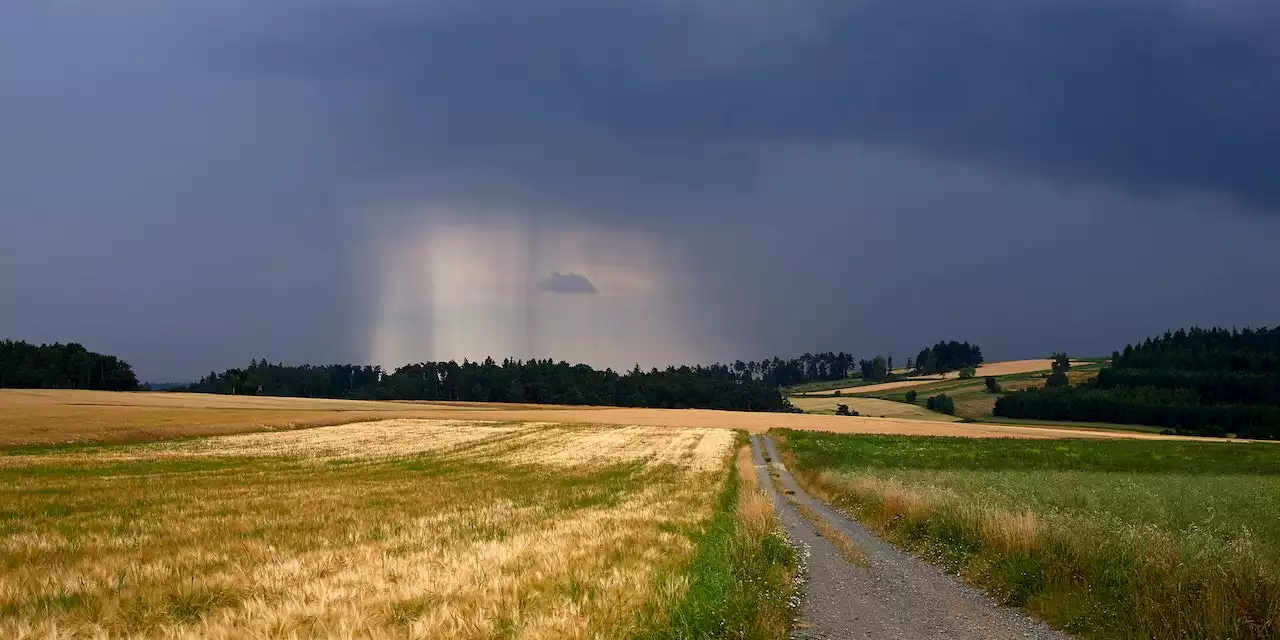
[[571, 283]]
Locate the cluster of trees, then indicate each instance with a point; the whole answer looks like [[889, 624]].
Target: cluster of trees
[[1176, 409], [810, 367], [1198, 381], [1061, 365], [947, 356], [537, 381], [993, 385], [1212, 387], [1195, 349], [942, 403], [876, 369], [62, 366]]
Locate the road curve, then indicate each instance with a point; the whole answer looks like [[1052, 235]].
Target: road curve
[[896, 595]]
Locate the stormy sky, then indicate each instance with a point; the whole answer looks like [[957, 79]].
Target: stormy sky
[[193, 184]]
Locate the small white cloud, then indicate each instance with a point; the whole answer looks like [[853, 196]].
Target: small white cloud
[[568, 283]]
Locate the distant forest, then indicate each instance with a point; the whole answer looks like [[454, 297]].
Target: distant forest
[[810, 367], [742, 385], [535, 381], [1195, 381], [61, 366]]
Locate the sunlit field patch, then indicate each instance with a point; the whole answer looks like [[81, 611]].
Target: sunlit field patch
[[429, 529]]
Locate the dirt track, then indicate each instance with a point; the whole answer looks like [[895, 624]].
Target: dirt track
[[47, 417]]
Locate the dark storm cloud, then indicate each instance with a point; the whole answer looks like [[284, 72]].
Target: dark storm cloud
[[571, 283], [191, 185], [1153, 96]]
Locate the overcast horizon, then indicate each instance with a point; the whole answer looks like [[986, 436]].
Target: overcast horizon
[[193, 185]]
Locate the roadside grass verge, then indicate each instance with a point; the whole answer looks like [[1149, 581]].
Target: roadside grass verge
[[1105, 539], [741, 580]]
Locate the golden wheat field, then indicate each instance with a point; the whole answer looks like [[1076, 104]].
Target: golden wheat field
[[400, 528]]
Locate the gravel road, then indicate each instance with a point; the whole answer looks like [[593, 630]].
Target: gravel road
[[895, 596]]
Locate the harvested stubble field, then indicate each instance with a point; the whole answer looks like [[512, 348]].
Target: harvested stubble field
[[46, 417], [401, 528], [1106, 539]]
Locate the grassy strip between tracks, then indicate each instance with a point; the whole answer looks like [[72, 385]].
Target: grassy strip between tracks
[[742, 577]]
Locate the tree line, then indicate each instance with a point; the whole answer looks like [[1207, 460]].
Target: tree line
[[1196, 381], [535, 381], [1178, 410], [62, 366], [810, 367], [1211, 387], [1215, 349]]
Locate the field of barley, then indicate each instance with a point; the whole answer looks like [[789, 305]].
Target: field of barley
[[391, 528], [1106, 539]]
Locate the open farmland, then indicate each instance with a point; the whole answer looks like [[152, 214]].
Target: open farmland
[[871, 407], [419, 528], [44, 417], [1011, 367], [971, 396], [1107, 539]]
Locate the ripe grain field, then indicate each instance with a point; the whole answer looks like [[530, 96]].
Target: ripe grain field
[[395, 528]]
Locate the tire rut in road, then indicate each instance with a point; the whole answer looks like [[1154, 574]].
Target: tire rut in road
[[896, 595]]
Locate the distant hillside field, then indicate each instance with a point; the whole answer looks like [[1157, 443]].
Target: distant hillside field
[[870, 407], [1011, 367], [971, 396]]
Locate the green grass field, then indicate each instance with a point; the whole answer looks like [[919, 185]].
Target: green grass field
[[1107, 539]]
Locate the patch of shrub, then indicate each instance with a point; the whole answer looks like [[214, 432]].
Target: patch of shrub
[[993, 385], [942, 403]]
